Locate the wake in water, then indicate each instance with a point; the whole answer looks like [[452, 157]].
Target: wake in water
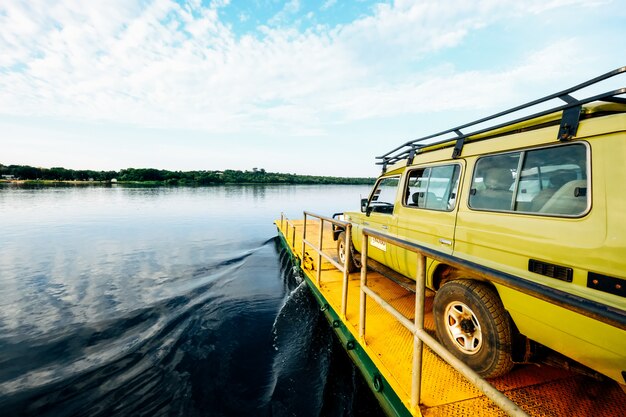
[[236, 336], [300, 365], [312, 374]]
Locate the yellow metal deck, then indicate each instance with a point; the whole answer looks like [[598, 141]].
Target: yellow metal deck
[[538, 390]]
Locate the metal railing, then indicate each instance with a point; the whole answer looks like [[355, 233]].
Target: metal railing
[[284, 220], [591, 309], [320, 253], [416, 327]]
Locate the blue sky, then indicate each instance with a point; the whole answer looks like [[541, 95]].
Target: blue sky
[[310, 87]]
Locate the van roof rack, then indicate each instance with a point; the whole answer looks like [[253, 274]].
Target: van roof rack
[[569, 121]]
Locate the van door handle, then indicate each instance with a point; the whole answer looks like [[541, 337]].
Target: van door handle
[[445, 242], [366, 224], [385, 227]]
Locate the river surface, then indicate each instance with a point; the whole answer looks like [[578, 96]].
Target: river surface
[[118, 301]]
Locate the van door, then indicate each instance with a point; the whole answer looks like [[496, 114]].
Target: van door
[[381, 217], [428, 213]]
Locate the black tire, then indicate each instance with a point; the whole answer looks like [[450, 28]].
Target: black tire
[[471, 322], [341, 244]]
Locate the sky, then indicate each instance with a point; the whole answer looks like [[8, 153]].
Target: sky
[[306, 87]]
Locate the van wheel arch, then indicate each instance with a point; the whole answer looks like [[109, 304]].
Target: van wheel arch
[[444, 273]]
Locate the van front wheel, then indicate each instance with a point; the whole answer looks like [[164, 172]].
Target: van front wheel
[[471, 322], [341, 253]]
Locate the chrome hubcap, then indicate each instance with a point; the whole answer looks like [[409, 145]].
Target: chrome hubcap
[[463, 328]]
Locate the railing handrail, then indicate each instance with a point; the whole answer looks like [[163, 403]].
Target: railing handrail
[[606, 314], [418, 331], [325, 256], [284, 220], [327, 219]]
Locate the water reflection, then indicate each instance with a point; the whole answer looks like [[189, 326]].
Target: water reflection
[[157, 301]]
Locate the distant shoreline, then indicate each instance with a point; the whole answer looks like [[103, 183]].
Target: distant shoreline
[[52, 182], [25, 174], [163, 183]]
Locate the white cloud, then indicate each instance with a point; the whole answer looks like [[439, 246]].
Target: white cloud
[[291, 8], [543, 6], [328, 4], [160, 64]]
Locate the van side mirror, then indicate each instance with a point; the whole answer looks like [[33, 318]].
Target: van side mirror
[[363, 205]]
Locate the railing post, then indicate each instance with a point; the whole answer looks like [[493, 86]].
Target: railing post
[[420, 290], [363, 300], [303, 238], [282, 219], [319, 253], [293, 236], [346, 273]]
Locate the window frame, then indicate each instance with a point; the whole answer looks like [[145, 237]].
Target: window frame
[[423, 168], [369, 207], [516, 181]]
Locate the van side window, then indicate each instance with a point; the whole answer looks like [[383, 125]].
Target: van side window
[[552, 181], [493, 182], [384, 195], [433, 188]]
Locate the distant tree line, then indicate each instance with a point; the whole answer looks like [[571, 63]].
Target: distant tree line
[[160, 176]]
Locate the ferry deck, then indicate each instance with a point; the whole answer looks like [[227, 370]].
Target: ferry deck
[[383, 348]]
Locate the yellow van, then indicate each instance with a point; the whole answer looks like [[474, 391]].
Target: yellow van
[[540, 200]]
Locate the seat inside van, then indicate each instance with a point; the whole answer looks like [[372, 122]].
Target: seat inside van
[[556, 181], [570, 199], [497, 193]]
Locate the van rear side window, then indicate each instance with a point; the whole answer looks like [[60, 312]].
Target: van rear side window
[[433, 188], [551, 181]]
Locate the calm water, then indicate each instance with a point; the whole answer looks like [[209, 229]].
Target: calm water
[[165, 301]]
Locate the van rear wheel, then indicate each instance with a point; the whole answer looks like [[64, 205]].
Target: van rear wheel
[[341, 253], [471, 322]]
